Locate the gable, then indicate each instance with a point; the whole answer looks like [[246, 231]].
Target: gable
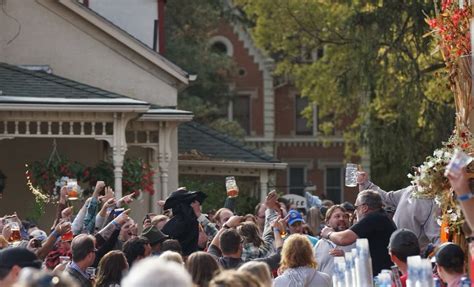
[[51, 34]]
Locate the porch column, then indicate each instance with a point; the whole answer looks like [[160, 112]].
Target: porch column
[[155, 165], [263, 184], [119, 148], [165, 154]]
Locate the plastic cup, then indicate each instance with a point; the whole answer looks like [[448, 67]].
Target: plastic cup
[[457, 162], [68, 236], [351, 175], [231, 186]]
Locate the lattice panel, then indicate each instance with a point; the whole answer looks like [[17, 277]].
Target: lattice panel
[[55, 129]]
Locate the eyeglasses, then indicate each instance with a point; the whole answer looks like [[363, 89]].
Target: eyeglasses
[[357, 206]]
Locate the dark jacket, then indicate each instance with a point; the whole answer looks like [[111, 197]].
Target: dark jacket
[[183, 226]]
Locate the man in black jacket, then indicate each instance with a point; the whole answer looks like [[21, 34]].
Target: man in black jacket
[[183, 226]]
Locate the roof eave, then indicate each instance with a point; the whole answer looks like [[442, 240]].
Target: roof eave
[[234, 164], [167, 114], [70, 107]]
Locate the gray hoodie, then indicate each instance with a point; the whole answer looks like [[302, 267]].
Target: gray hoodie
[[301, 276]]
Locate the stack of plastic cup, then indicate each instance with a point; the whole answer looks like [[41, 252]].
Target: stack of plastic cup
[[363, 264], [338, 276]]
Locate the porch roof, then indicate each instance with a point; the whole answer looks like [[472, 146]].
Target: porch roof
[[22, 86], [201, 143]]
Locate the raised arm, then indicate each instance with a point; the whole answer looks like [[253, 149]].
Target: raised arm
[[390, 198]]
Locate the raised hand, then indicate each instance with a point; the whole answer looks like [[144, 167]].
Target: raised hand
[[66, 213], [99, 186], [271, 200], [109, 193], [234, 221], [123, 217]]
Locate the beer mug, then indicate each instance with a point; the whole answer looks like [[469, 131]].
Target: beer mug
[[15, 235], [231, 186], [351, 175], [72, 189]]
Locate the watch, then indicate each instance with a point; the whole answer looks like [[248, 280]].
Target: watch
[[225, 226], [329, 235]]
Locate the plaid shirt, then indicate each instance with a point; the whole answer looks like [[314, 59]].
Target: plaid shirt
[[250, 251]]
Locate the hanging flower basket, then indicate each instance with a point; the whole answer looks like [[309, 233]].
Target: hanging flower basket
[[43, 177]]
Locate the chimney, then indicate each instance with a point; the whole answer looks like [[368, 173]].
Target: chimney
[[160, 28]]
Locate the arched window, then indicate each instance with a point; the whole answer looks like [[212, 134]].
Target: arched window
[[221, 44]]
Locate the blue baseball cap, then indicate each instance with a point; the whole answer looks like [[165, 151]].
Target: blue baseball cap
[[294, 216]]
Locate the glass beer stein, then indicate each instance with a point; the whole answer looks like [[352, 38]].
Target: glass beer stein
[[231, 186]]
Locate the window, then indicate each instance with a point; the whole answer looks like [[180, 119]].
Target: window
[[301, 123], [219, 48], [241, 112], [297, 180], [221, 45], [334, 184]]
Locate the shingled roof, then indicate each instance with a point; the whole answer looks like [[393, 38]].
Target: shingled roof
[[208, 144], [22, 86]]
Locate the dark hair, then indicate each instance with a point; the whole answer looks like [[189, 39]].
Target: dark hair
[[404, 243], [171, 245], [348, 206], [451, 257], [202, 266], [249, 232], [230, 241], [111, 267], [81, 246], [285, 201], [134, 248]]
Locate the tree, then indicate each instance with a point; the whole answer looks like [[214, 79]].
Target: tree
[[377, 72]]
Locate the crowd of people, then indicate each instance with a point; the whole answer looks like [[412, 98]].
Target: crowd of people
[[278, 245]]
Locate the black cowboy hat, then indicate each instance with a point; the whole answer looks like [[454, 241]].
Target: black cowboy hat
[[182, 195]]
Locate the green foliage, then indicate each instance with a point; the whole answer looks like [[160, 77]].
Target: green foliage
[[377, 70], [189, 26], [214, 187], [231, 128]]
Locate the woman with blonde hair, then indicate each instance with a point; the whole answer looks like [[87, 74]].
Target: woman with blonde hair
[[172, 256], [234, 278], [259, 270], [298, 266]]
